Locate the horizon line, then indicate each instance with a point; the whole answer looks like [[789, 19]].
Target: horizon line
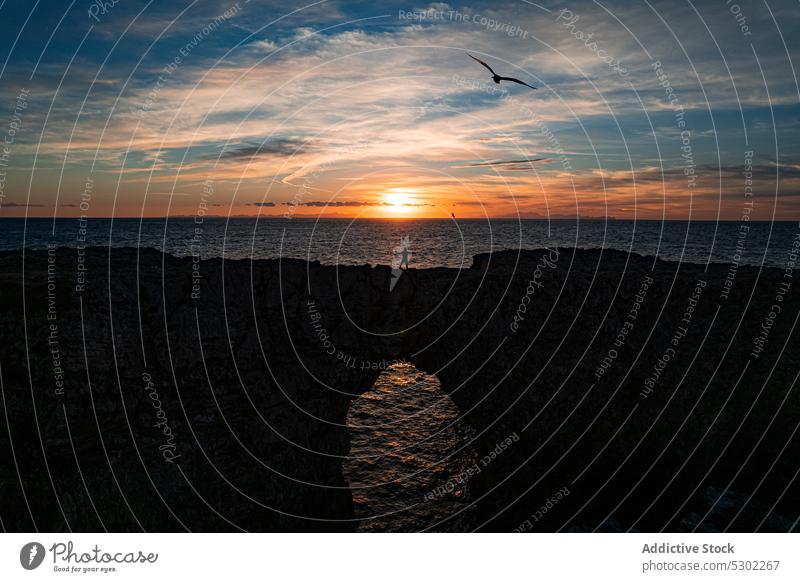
[[389, 218]]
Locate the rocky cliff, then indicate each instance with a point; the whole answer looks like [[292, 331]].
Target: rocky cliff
[[146, 392]]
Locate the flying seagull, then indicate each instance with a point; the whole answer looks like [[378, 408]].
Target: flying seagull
[[497, 78]]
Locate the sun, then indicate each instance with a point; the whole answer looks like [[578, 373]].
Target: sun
[[398, 200]]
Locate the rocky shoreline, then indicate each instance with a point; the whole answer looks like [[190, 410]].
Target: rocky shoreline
[[147, 392]]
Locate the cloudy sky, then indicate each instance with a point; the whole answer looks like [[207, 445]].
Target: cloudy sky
[[643, 109]]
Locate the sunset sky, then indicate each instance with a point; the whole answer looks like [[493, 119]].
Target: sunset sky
[[374, 109]]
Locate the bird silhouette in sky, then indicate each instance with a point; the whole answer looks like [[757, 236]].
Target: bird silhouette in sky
[[497, 78]]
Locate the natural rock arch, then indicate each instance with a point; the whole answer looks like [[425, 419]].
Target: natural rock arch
[[259, 408]]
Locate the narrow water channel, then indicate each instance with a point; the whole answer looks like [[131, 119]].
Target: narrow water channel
[[408, 457]]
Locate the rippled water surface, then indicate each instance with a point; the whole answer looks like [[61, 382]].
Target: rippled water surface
[[432, 243], [407, 441]]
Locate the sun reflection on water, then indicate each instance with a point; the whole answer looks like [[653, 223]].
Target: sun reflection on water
[[407, 440]]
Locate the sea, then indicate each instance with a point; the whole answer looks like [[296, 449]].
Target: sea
[[410, 456], [430, 243], [410, 448]]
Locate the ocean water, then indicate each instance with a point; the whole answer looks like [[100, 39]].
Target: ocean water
[[431, 243], [409, 455]]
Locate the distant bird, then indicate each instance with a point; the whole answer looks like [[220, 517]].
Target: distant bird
[[497, 78]]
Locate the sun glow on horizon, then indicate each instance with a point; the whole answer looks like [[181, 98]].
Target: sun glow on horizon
[[399, 200]]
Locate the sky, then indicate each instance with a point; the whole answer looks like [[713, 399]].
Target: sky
[[643, 110]]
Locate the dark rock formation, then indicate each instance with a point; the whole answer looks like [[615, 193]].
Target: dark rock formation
[[164, 394]]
